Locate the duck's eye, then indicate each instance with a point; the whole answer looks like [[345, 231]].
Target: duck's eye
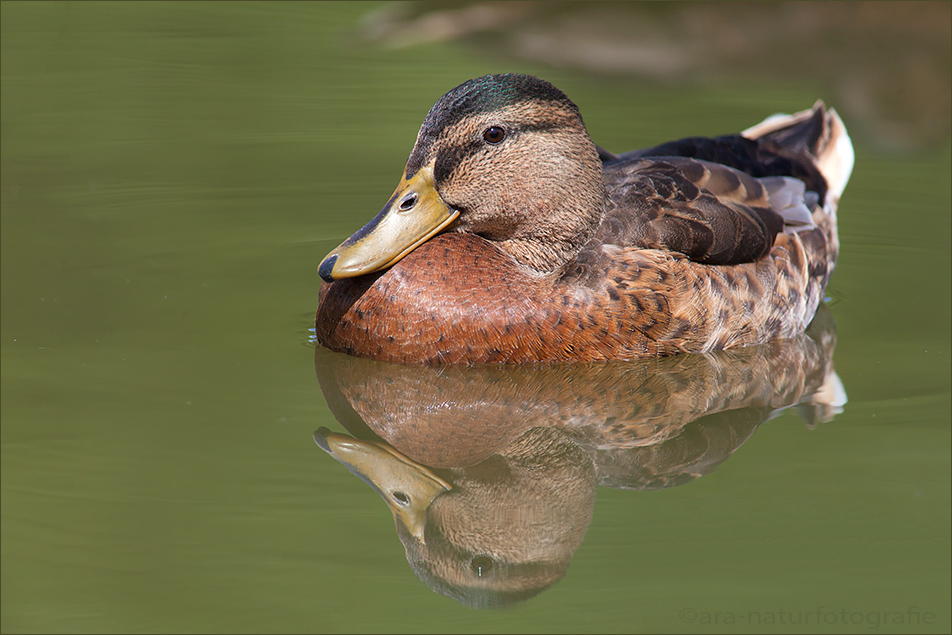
[[494, 135]]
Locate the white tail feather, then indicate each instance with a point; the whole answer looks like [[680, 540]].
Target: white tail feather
[[836, 159]]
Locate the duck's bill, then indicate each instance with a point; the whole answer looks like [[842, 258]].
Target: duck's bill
[[414, 214], [407, 487]]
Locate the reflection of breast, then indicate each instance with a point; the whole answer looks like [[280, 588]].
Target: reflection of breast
[[491, 471]]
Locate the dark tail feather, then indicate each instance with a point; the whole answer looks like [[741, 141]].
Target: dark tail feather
[[818, 133]]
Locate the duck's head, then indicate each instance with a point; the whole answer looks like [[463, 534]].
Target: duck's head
[[506, 157]]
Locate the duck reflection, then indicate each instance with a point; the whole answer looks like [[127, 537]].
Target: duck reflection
[[491, 471]]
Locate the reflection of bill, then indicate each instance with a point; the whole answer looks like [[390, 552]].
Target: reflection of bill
[[491, 472]]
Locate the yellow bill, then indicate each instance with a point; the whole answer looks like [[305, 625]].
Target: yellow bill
[[414, 214]]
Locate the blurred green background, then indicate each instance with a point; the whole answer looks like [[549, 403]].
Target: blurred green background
[[172, 174]]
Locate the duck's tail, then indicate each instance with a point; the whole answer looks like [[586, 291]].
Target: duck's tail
[[818, 132], [813, 147]]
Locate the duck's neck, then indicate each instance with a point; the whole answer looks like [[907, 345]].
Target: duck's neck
[[563, 217]]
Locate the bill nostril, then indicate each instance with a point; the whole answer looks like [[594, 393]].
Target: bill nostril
[[408, 203]]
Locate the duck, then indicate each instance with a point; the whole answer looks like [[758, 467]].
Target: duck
[[513, 239]]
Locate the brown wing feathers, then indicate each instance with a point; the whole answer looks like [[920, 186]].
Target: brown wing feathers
[[711, 213]]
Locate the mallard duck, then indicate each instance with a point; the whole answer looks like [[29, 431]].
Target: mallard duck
[[513, 238]]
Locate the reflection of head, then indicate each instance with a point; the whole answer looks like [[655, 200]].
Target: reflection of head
[[509, 527], [474, 580]]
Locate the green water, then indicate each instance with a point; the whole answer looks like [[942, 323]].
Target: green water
[[172, 174]]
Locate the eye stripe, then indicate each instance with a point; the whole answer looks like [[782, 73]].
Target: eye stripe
[[438, 124], [450, 156]]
